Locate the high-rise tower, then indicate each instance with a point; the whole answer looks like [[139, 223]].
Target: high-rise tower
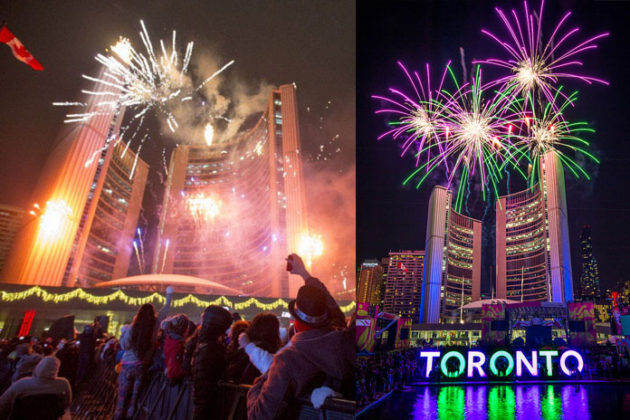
[[369, 284], [452, 263], [533, 256], [103, 244], [232, 211], [11, 220], [589, 279], [403, 283], [43, 246]]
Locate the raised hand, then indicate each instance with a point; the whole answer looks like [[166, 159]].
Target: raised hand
[[296, 266]]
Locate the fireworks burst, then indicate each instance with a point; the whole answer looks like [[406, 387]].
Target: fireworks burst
[[140, 265], [208, 134], [463, 132], [167, 244], [144, 83], [474, 136], [417, 123], [54, 219], [310, 247], [549, 131], [467, 133], [538, 63], [203, 208]]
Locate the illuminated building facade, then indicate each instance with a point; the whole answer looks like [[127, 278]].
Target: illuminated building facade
[[532, 252], [589, 279], [522, 247], [11, 219], [452, 269], [385, 266], [403, 284], [103, 244], [43, 247], [233, 211], [370, 279]]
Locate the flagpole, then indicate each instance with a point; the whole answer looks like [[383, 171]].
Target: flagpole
[[461, 303], [522, 278]]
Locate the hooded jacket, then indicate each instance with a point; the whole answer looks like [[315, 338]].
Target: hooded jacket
[[314, 358], [26, 365], [209, 361], [43, 381]]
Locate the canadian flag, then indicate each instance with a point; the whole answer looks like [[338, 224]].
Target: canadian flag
[[18, 49], [402, 266]]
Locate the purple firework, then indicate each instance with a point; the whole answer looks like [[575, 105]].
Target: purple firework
[[537, 62], [416, 124]]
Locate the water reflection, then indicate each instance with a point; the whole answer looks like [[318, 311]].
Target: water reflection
[[506, 402]]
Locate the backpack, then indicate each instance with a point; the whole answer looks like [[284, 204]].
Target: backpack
[[174, 357]]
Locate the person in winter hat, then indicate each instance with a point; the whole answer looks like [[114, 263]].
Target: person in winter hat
[[321, 352], [257, 345], [236, 357], [237, 328], [43, 381], [209, 361], [26, 365], [176, 332]]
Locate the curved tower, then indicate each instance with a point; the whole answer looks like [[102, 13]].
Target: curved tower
[[522, 266], [43, 246], [533, 255], [452, 263], [233, 211]]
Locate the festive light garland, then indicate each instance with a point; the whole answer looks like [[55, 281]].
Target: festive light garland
[[154, 297]]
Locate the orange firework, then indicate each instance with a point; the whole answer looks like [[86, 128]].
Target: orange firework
[[310, 247], [203, 207]]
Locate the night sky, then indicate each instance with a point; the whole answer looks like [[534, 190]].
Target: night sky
[[277, 42], [393, 217], [313, 44]]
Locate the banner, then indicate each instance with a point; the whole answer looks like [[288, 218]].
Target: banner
[[403, 331], [582, 324], [363, 309], [27, 321], [365, 328], [493, 324]]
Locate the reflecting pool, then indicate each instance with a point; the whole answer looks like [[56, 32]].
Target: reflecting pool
[[506, 402]]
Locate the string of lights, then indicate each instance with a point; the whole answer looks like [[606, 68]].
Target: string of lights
[[81, 294]]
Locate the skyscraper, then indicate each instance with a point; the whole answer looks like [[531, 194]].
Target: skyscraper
[[232, 211], [452, 268], [369, 284], [103, 244], [11, 220], [589, 279], [522, 270], [403, 284], [533, 257], [385, 266], [42, 248]]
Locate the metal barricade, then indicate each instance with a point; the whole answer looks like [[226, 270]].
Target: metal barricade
[[162, 399], [96, 397]]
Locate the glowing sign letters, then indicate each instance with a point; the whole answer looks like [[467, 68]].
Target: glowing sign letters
[[500, 363]]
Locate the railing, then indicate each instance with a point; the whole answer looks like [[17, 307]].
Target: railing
[[95, 397], [164, 400]]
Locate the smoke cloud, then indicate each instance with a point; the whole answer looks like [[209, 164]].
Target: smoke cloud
[[331, 199], [225, 102]]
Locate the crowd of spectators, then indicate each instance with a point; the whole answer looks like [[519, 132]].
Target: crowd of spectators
[[382, 372], [313, 358]]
